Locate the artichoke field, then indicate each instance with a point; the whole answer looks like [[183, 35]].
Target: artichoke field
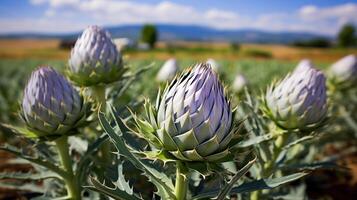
[[96, 131]]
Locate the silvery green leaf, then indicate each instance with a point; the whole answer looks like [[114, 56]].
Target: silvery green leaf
[[35, 160], [228, 187], [163, 183], [115, 193], [33, 187], [29, 175], [256, 185]]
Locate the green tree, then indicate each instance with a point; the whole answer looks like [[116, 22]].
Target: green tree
[[346, 36], [149, 34]]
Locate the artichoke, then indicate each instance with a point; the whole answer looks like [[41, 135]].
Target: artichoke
[[51, 107], [344, 72], [95, 59], [167, 71], [299, 101], [194, 117], [239, 83]]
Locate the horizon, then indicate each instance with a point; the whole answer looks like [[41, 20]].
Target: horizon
[[69, 16]]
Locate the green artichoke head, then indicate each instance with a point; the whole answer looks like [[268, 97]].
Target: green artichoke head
[[95, 59], [343, 73], [51, 107], [299, 101], [194, 118]]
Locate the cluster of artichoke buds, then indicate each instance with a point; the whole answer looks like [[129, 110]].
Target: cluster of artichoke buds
[[51, 107], [298, 101], [167, 71], [343, 73], [95, 59], [193, 118]]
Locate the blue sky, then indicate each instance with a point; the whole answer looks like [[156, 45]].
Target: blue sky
[[61, 16]]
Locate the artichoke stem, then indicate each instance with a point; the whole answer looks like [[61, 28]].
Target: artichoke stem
[[278, 146], [181, 184], [98, 94], [255, 195], [73, 189]]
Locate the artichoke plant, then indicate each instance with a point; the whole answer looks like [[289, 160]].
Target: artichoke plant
[[95, 59], [51, 106], [298, 101], [192, 119], [344, 72], [167, 71]]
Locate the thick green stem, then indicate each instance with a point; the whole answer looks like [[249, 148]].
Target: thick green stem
[[278, 145], [181, 184], [255, 195], [73, 188], [98, 94]]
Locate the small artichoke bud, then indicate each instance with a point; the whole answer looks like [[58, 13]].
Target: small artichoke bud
[[298, 101], [214, 64], [344, 72], [239, 83], [195, 117], [51, 106], [167, 71], [95, 59]]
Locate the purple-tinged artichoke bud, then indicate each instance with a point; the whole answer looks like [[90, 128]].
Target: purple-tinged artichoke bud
[[51, 107], [344, 72], [95, 59], [298, 101], [167, 71], [239, 83], [195, 117]]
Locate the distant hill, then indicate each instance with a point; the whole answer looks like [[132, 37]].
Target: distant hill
[[191, 33]]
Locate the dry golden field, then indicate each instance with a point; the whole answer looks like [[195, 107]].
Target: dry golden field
[[49, 49]]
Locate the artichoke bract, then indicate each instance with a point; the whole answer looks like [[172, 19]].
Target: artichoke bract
[[95, 59], [194, 116], [299, 101], [167, 71], [344, 71], [51, 106]]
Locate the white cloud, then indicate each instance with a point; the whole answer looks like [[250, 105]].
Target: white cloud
[[62, 13]]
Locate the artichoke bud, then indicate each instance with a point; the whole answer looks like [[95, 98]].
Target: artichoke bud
[[343, 73], [299, 101], [194, 116], [51, 107], [239, 83], [95, 59], [167, 71]]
